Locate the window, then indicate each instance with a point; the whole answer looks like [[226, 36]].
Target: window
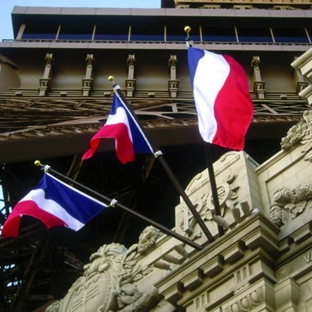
[[291, 35], [150, 33], [219, 34], [254, 34], [109, 32], [38, 31], [76, 32]]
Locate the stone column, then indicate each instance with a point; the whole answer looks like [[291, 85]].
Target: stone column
[[88, 80], [259, 85], [130, 82], [173, 83], [44, 82]]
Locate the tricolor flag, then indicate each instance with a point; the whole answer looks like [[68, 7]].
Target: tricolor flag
[[54, 203], [124, 128], [222, 98]]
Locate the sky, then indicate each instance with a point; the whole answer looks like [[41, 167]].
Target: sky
[[6, 8]]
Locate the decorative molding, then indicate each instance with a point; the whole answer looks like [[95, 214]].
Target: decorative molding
[[248, 302]]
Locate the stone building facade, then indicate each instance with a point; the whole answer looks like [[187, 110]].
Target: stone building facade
[[54, 95], [263, 261]]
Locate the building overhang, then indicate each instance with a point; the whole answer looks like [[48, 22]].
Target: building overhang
[[40, 15]]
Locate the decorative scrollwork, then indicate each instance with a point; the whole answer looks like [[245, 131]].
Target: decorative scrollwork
[[287, 203], [301, 132]]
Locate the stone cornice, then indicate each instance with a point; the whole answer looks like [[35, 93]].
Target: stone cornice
[[220, 257], [256, 246]]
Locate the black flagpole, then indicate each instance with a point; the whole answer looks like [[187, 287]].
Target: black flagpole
[[158, 155], [114, 203], [213, 185]]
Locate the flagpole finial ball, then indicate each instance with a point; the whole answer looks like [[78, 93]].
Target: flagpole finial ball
[[111, 78], [38, 163], [187, 29]]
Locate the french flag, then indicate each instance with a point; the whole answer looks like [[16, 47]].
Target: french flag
[[124, 128], [54, 203], [222, 98]]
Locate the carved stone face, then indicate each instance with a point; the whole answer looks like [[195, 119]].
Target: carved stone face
[[147, 239], [276, 215]]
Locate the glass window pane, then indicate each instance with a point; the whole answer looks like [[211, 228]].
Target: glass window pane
[[109, 32], [36, 31], [76, 32], [254, 34], [150, 33], [177, 33], [294, 35], [219, 34]]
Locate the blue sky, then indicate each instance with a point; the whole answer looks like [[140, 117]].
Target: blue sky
[[6, 8]]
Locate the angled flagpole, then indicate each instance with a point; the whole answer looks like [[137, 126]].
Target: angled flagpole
[[158, 154], [114, 203], [212, 179], [223, 103]]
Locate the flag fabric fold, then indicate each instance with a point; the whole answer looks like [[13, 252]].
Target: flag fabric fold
[[123, 127], [54, 203], [222, 99]]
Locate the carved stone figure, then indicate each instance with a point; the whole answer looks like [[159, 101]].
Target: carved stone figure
[[287, 203], [108, 283], [148, 239], [301, 132]]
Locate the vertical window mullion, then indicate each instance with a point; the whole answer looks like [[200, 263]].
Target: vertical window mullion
[[272, 34], [58, 32], [129, 33], [93, 33], [21, 32], [236, 34], [307, 33]]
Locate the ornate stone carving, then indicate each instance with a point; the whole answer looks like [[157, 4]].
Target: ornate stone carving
[[204, 205], [148, 239], [287, 203], [301, 132], [108, 282]]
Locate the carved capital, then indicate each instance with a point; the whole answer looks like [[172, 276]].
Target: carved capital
[[172, 61], [255, 62], [49, 59], [90, 60], [131, 60]]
